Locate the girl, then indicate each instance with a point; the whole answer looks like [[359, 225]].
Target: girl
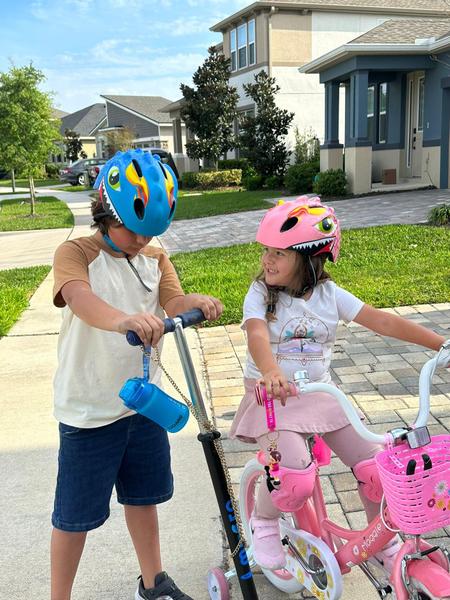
[[291, 313]]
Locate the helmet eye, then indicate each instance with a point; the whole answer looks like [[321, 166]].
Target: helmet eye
[[114, 178], [326, 225], [289, 224]]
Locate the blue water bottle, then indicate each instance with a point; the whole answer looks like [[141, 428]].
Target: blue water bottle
[[149, 400]]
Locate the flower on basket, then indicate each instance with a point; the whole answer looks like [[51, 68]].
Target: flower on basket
[[441, 488]]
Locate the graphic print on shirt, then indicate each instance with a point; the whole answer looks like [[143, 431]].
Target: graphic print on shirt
[[302, 339]]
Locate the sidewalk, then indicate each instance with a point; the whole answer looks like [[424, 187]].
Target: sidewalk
[[379, 374]]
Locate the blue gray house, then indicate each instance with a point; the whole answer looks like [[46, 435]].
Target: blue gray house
[[394, 82]]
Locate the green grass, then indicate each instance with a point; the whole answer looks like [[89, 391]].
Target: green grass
[[213, 203], [73, 188], [386, 266], [16, 288], [25, 183], [51, 213]]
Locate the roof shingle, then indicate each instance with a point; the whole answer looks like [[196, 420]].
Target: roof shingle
[[84, 121], [148, 106], [404, 31]]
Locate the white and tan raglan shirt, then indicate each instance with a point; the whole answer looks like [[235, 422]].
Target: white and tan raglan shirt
[[94, 364]]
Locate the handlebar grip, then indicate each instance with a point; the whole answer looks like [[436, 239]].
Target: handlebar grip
[[191, 317]]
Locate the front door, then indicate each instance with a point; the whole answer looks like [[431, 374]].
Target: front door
[[414, 124]]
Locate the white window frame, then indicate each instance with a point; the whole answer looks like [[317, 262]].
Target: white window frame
[[233, 49], [382, 86], [251, 42], [242, 28]]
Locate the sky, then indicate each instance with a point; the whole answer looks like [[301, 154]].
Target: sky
[[90, 47]]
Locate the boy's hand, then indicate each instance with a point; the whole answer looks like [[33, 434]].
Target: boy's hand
[[149, 328], [212, 307], [276, 384]]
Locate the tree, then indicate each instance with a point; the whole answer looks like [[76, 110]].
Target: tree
[[210, 109], [74, 146], [262, 135], [27, 128], [120, 139]]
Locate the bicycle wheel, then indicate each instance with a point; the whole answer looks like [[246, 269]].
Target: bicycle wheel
[[253, 476]]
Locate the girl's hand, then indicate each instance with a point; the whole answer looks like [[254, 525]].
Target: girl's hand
[[149, 328], [276, 384], [211, 307]]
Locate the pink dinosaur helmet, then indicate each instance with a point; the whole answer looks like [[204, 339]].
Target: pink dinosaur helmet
[[305, 225]]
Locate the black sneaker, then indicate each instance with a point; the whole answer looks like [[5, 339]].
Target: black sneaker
[[165, 589]]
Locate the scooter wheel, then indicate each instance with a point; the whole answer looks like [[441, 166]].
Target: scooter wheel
[[218, 585]]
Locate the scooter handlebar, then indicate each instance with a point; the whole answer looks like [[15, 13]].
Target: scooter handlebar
[[191, 317]]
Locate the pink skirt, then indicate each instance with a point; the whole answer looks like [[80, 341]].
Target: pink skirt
[[309, 413]]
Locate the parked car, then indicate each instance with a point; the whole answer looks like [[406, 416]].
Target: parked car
[[165, 156], [74, 174]]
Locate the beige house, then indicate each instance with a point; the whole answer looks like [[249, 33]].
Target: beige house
[[282, 35]]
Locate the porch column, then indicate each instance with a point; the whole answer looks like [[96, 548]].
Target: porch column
[[331, 152], [358, 150], [444, 181]]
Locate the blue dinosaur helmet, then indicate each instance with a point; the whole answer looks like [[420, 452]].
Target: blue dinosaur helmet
[[138, 191]]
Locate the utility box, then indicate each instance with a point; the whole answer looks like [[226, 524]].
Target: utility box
[[389, 176]]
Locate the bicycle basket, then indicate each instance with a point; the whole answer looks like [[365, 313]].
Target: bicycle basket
[[419, 502]]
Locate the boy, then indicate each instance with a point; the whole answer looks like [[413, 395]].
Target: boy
[[109, 283]]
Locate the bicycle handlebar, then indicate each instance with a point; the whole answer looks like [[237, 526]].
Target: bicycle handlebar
[[442, 359], [191, 317]]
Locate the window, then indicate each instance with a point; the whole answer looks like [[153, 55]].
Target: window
[[233, 49], [370, 111], [242, 46], [382, 113], [251, 42], [421, 104]]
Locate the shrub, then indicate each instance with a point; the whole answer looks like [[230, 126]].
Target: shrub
[[236, 163], [299, 178], [273, 182], [52, 169], [207, 180], [331, 183], [439, 215], [253, 182]]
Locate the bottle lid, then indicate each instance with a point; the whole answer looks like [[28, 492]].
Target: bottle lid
[[131, 391]]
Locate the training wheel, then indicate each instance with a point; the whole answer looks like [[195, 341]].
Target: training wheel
[[218, 585]]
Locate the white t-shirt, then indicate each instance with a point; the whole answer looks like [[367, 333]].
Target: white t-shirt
[[303, 334]]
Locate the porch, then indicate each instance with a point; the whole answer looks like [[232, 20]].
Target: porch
[[397, 113]]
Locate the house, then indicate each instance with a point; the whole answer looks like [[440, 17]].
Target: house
[[280, 36], [143, 116], [396, 84], [85, 122]]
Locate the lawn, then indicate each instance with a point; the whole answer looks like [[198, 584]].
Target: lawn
[[73, 188], [208, 204], [386, 266], [16, 288], [51, 213], [25, 183]]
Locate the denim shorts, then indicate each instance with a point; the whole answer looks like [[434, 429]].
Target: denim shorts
[[132, 453]]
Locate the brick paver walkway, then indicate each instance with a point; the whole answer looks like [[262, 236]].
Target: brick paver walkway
[[379, 374]]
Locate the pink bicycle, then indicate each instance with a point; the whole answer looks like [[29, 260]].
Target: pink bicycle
[[414, 489]]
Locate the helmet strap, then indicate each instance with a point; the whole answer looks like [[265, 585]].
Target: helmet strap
[[312, 272], [111, 244]]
